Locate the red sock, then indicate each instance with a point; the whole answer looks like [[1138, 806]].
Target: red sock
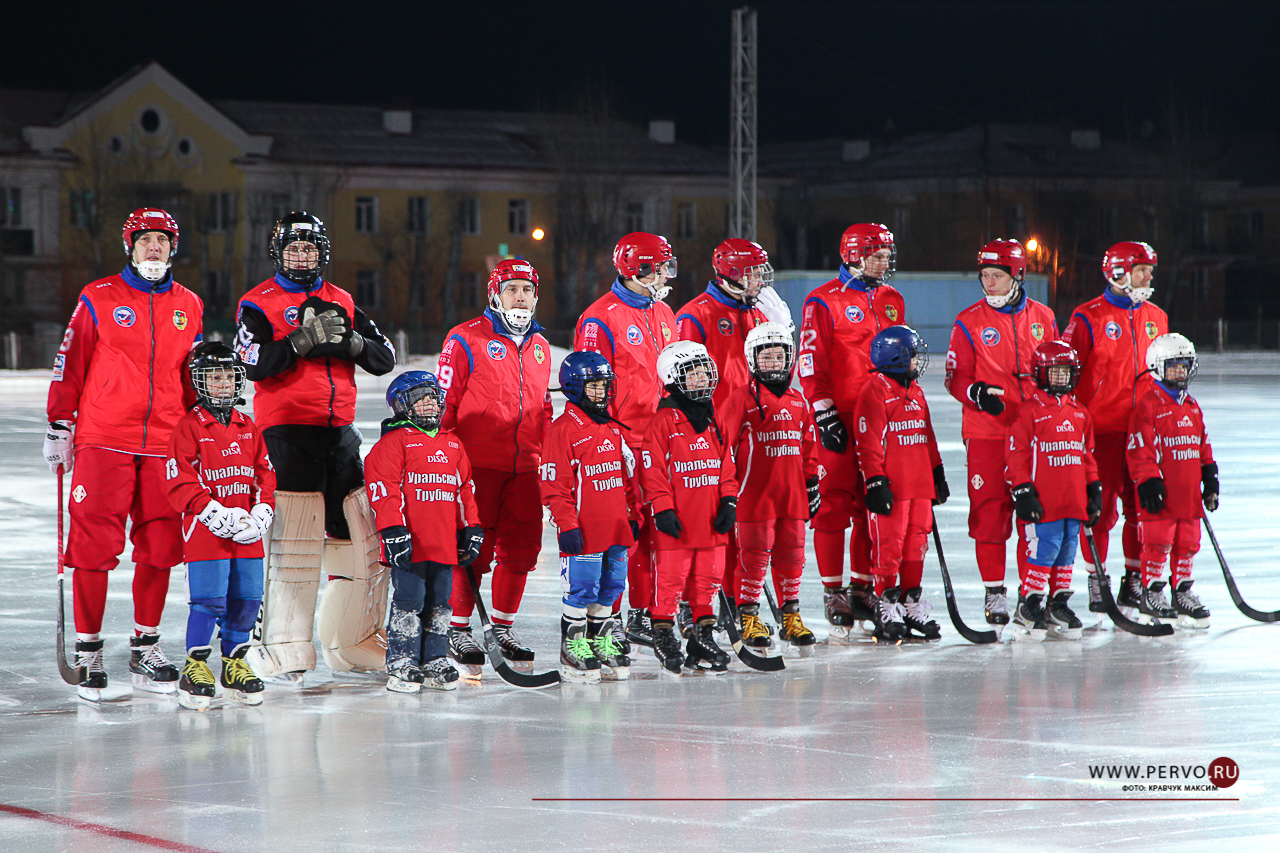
[[911, 572], [150, 586], [990, 562], [828, 546], [508, 592], [89, 599], [461, 600]]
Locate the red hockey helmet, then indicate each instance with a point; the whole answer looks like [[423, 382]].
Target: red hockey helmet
[[863, 239], [514, 269], [1052, 354], [639, 254], [149, 219], [1006, 254], [1121, 258], [743, 268]]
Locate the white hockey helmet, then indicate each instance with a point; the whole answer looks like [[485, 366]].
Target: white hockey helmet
[[1167, 351], [770, 334], [678, 361]]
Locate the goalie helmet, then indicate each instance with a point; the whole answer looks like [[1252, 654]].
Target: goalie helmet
[[299, 227], [409, 389], [517, 320], [639, 255], [678, 367], [1009, 256], [863, 240], [1055, 354], [763, 337], [899, 351], [218, 376], [579, 368], [1168, 351], [141, 221], [742, 268], [1118, 264]]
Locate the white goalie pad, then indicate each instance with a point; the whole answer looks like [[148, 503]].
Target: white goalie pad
[[282, 636], [352, 621]]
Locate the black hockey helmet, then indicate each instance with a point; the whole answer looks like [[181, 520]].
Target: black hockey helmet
[[218, 376], [295, 227]]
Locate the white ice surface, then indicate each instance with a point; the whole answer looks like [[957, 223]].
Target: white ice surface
[[944, 747]]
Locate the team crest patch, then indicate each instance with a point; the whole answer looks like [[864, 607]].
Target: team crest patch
[[497, 351], [854, 313], [79, 493], [633, 334], [180, 320], [1037, 331], [1112, 330], [666, 334], [976, 481], [124, 316], [725, 325], [990, 336], [891, 312], [291, 315], [538, 355], [1152, 331]]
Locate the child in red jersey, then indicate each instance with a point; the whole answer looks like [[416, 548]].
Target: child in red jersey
[[689, 483], [898, 455], [588, 484], [1170, 460], [419, 483], [218, 476], [768, 424], [1054, 481]]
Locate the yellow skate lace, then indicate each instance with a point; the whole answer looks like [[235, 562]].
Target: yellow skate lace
[[793, 626], [197, 672], [235, 672], [752, 627]]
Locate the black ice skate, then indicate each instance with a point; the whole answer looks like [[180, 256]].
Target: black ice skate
[[614, 665], [1154, 606], [1060, 619], [619, 631], [639, 628], [1130, 594], [439, 674], [1028, 618], [723, 616], [1191, 612], [196, 686], [666, 646], [889, 627], [916, 615], [513, 648], [684, 619], [466, 651], [702, 651], [835, 603], [578, 662], [794, 631], [404, 676], [238, 680], [89, 658], [997, 606], [752, 629], [151, 670]]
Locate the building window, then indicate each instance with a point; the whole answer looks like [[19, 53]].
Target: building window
[[366, 214], [518, 217], [222, 211], [469, 216], [83, 208], [469, 291], [10, 207], [14, 292], [687, 220], [1257, 223], [367, 288], [634, 216], [419, 287], [419, 219]]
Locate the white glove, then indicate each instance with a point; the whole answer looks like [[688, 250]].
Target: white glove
[[58, 448], [254, 525], [774, 309], [222, 521]]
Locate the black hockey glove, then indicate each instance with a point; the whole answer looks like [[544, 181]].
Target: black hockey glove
[[571, 541], [726, 516], [987, 397], [941, 490], [1093, 502], [1209, 485], [879, 496], [831, 431], [322, 327], [669, 523], [1026, 503], [635, 529], [469, 541], [397, 549], [1151, 495], [815, 499]]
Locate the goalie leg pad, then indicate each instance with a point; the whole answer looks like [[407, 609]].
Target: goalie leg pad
[[292, 580], [353, 608]]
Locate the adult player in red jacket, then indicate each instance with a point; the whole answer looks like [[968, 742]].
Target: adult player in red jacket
[[989, 371], [496, 370], [588, 484], [900, 464], [301, 338], [629, 326], [419, 483], [840, 319], [1111, 334], [118, 388], [1054, 481], [1171, 461], [218, 476], [768, 425], [688, 477]]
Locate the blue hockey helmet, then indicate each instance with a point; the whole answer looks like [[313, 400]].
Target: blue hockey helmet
[[408, 389], [579, 368], [893, 349]]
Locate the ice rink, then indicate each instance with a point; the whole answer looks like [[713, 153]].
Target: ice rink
[[939, 747]]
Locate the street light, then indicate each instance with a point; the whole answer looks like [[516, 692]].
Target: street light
[[538, 234], [1033, 244]]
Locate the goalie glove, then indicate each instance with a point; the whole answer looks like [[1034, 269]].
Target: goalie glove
[[327, 326], [831, 430], [987, 397], [1026, 503], [58, 446], [470, 539], [397, 547], [223, 522], [774, 309]]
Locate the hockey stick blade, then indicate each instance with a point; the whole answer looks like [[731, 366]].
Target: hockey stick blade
[[500, 665], [1256, 615], [69, 673], [751, 659], [978, 637], [1159, 629]]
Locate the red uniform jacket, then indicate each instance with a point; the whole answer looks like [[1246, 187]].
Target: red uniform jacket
[[1111, 336], [1167, 439], [120, 374], [422, 482], [629, 330], [720, 323], [588, 480], [1051, 445], [228, 464], [496, 396], [775, 448], [689, 472], [840, 319], [895, 437], [318, 391], [995, 345]]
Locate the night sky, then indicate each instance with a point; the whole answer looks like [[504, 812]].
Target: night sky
[[826, 69]]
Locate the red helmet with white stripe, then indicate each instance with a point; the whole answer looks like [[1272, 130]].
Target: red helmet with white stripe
[[640, 255], [517, 319], [146, 219], [863, 240], [1118, 264], [743, 268]]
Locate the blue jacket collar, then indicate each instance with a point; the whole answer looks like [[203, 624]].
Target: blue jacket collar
[[293, 287], [1015, 307], [714, 291], [1177, 396], [137, 282], [848, 279], [500, 328], [635, 300], [1120, 301]]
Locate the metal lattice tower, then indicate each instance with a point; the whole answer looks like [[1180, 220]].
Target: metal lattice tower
[[742, 119]]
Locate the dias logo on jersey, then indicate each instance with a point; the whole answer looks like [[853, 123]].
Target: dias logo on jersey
[[497, 351], [990, 336], [606, 447], [725, 325], [291, 315], [1112, 330], [1066, 426], [1186, 421], [233, 449], [783, 415], [633, 335], [700, 444], [854, 313], [538, 355], [124, 316], [439, 456]]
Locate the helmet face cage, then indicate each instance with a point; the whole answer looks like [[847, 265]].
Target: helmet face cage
[[687, 367], [407, 400], [516, 320], [580, 368], [860, 242], [767, 341], [219, 380], [299, 227], [1189, 362], [1050, 358], [1168, 351], [894, 349]]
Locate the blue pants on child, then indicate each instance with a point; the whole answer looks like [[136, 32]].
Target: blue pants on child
[[420, 611], [1050, 549], [589, 579], [225, 594]]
